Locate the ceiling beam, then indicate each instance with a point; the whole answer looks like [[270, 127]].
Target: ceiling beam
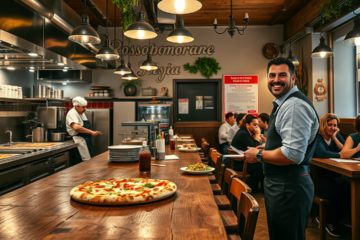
[[280, 12]]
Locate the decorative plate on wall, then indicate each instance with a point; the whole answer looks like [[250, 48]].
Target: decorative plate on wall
[[271, 50]]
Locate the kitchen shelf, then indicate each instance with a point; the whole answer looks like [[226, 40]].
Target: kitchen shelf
[[13, 100], [47, 99], [145, 98]]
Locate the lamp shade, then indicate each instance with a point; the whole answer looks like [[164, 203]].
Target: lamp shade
[[353, 37], [122, 69], [179, 6], [140, 29], [323, 50], [130, 76], [107, 52], [293, 59], [180, 34], [84, 33], [148, 64]]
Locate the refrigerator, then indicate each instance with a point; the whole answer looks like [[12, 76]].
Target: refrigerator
[[100, 120]]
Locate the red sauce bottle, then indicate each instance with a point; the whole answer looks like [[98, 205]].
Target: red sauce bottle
[[144, 159]]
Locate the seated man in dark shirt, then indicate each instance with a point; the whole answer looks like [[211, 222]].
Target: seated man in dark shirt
[[249, 136]]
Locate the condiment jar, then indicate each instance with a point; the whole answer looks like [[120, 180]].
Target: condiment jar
[[144, 159]]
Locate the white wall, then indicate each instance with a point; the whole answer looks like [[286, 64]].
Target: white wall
[[240, 55], [344, 75]]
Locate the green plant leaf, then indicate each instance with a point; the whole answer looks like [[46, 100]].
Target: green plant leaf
[[126, 83], [207, 67], [129, 15]]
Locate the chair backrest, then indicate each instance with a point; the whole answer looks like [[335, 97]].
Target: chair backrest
[[205, 147], [239, 159], [236, 188], [217, 160], [212, 151], [247, 215], [226, 183]]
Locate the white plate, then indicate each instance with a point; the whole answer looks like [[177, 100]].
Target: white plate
[[185, 140], [125, 147], [197, 172], [189, 150]]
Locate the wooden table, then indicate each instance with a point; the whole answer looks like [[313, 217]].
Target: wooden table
[[351, 170], [44, 210]]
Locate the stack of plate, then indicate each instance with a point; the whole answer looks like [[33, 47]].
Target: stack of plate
[[124, 153]]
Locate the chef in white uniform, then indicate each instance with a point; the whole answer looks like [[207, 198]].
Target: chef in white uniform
[[78, 126]]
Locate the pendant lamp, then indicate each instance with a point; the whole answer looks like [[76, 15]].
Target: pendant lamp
[[131, 75], [122, 69], [353, 37], [323, 50], [148, 64], [84, 33], [179, 6], [180, 34], [293, 59], [140, 29], [107, 52]]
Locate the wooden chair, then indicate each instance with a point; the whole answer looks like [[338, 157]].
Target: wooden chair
[[205, 147], [247, 218], [222, 201], [217, 160], [211, 176], [229, 217], [322, 214], [242, 175]]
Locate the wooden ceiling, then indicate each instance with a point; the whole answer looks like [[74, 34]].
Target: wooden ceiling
[[261, 12]]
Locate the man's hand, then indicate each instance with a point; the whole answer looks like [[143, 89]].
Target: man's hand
[[95, 133], [260, 147], [250, 155]]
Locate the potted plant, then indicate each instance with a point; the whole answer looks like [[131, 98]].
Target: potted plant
[[130, 86]]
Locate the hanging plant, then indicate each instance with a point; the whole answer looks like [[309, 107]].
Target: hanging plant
[[207, 66], [129, 15], [332, 9]]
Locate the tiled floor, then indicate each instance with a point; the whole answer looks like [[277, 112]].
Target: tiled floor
[[312, 231]]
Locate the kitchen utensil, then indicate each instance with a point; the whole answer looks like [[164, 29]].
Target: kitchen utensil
[[38, 134], [58, 137], [59, 94]]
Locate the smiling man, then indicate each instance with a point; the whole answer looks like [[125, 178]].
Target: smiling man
[[292, 131]]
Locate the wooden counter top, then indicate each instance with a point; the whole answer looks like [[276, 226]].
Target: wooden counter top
[[44, 210]]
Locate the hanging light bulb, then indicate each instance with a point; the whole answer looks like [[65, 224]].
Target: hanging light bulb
[[84, 33], [323, 50], [353, 37], [107, 52], [122, 69], [140, 29], [293, 59], [148, 64], [180, 34], [179, 6], [130, 76]]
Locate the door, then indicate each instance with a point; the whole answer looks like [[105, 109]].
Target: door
[[102, 121]]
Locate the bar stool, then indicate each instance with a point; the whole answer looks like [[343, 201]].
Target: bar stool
[[222, 201], [321, 202], [242, 175], [217, 160]]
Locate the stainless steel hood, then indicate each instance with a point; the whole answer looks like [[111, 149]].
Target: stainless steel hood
[[42, 27], [71, 76]]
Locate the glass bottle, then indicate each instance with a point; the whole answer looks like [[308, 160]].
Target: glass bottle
[[144, 159]]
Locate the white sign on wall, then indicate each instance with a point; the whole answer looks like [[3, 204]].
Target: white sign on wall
[[241, 94]]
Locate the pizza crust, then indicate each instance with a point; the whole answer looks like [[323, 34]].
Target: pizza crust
[[89, 192]]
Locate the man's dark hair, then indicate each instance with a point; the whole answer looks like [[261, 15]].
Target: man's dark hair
[[228, 115], [239, 117], [264, 117], [279, 61], [249, 119]]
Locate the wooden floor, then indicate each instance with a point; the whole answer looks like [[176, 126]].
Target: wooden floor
[[312, 231]]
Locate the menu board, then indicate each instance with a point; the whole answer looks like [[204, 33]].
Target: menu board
[[184, 106], [241, 94]]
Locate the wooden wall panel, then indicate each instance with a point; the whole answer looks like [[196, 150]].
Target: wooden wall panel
[[347, 126], [209, 133]]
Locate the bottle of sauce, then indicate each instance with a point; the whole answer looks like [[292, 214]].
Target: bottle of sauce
[[171, 132], [144, 159]]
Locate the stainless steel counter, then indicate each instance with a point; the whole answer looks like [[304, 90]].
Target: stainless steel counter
[[30, 157]]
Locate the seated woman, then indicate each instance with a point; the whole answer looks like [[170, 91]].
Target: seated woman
[[249, 136], [352, 144], [331, 185]]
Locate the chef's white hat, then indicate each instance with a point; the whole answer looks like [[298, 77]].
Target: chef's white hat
[[79, 101]]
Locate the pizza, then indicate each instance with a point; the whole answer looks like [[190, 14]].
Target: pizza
[[6, 155], [123, 191]]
